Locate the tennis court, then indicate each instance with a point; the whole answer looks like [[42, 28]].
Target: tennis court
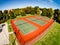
[[38, 21], [28, 28], [25, 27]]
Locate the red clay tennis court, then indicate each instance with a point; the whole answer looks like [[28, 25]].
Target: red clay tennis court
[[28, 28]]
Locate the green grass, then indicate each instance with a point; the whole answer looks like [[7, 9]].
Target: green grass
[[10, 28], [9, 25], [12, 39], [23, 16], [52, 37]]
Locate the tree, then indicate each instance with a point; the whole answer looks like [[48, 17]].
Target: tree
[[1, 15], [57, 15], [50, 13], [5, 14], [22, 13], [29, 10], [11, 14], [16, 11], [44, 12], [38, 11], [35, 9]]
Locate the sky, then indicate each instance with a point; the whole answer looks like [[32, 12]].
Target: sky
[[12, 4]]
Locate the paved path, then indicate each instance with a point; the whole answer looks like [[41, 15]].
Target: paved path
[[4, 37]]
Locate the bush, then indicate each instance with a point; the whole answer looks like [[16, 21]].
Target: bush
[[1, 21]]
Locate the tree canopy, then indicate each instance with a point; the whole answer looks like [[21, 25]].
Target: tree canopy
[[49, 12]]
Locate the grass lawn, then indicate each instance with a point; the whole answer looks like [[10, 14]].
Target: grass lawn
[[9, 25], [12, 39], [52, 37]]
